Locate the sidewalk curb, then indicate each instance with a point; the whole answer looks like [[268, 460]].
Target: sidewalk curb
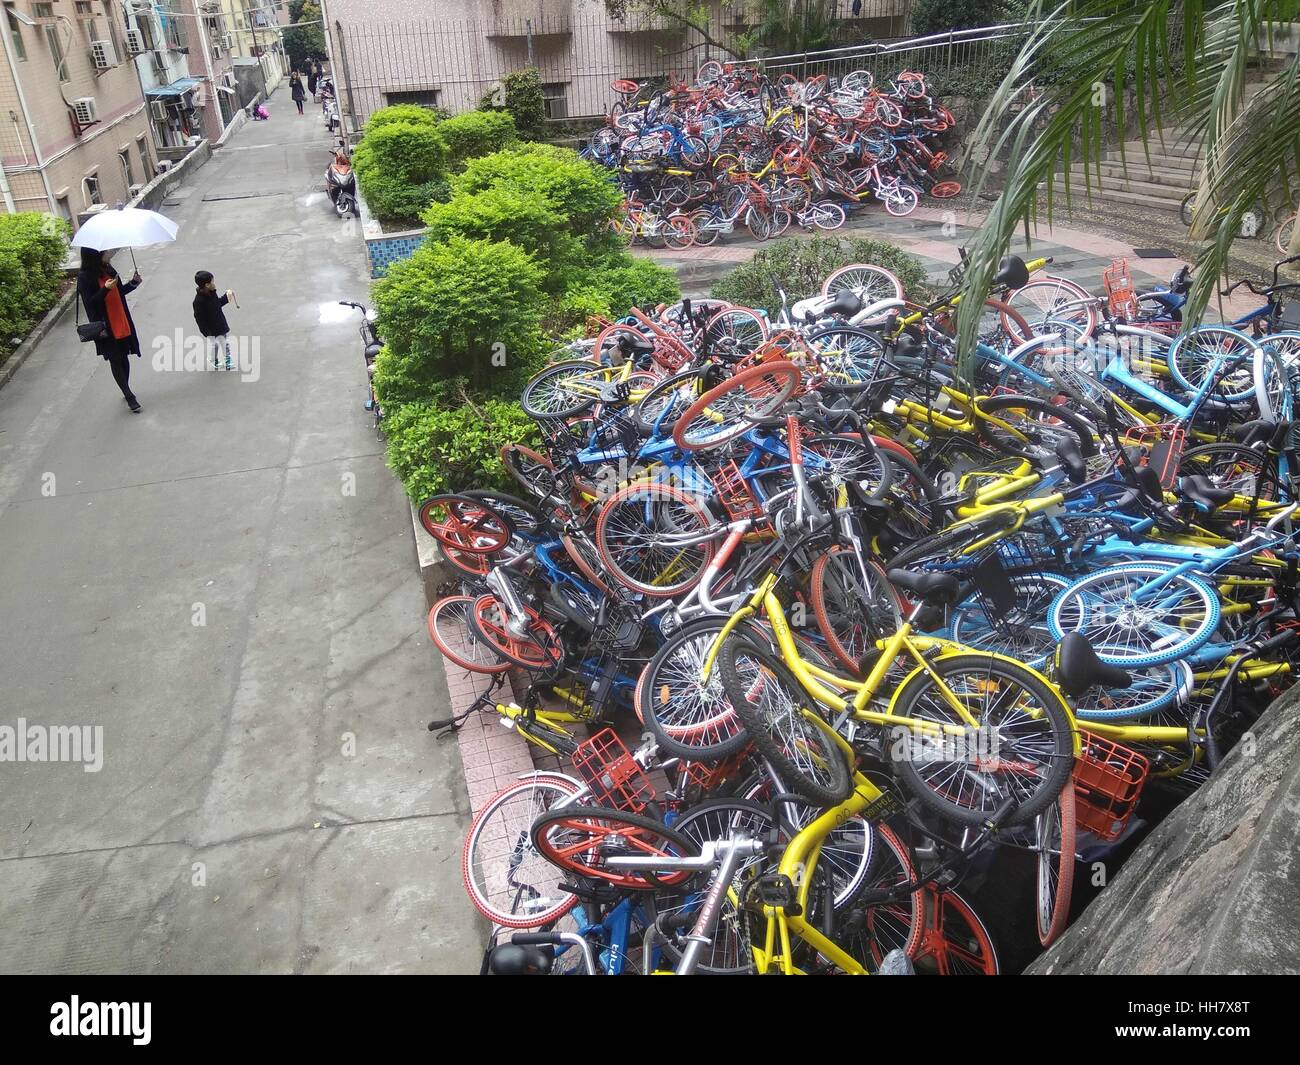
[[39, 332]]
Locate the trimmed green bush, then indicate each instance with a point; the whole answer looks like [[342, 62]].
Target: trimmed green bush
[[520, 94], [610, 289], [477, 133], [802, 265], [435, 448], [33, 247], [411, 114], [579, 191], [502, 213], [401, 168], [461, 307]]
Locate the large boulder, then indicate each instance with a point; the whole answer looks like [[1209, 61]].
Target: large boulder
[[1216, 887]]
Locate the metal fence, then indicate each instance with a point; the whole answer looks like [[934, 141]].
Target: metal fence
[[454, 63]]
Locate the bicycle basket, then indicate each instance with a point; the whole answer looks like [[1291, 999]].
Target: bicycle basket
[[1119, 289], [734, 494], [615, 779], [1160, 447], [1108, 780]]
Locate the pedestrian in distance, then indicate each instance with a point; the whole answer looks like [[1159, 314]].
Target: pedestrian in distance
[[103, 295], [295, 90], [313, 74], [211, 319]]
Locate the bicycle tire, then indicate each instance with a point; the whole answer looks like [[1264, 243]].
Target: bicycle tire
[[846, 609], [954, 942], [1033, 439], [461, 646], [481, 872], [541, 647], [1054, 840], [576, 838], [762, 390], [675, 568], [824, 777], [1042, 734], [576, 369]]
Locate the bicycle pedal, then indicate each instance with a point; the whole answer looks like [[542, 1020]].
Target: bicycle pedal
[[777, 889]]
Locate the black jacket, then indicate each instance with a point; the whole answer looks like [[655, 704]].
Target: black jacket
[[296, 90], [92, 299], [208, 315]]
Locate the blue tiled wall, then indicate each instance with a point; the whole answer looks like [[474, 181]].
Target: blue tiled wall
[[384, 251]]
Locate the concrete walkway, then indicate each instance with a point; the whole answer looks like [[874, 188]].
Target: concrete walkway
[[226, 584]]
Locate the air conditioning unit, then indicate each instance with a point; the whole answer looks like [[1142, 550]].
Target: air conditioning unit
[[86, 111], [158, 110], [134, 42], [228, 42], [103, 54]]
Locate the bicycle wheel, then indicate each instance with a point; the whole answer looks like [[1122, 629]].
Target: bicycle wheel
[[658, 410], [851, 460], [679, 231], [1206, 350], [954, 941], [1240, 469], [537, 647], [871, 283], [736, 330], [901, 200], [652, 539], [1187, 209], [580, 840], [565, 389], [465, 525], [1019, 632], [508, 882], [1168, 622], [827, 215], [1015, 739], [719, 819], [852, 609], [1054, 834], [1150, 689], [893, 925], [848, 358], [725, 412], [949, 544], [1282, 238], [783, 723], [914, 509], [1049, 299], [453, 633], [1032, 428]]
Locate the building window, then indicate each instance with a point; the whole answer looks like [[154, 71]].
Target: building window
[[90, 186], [56, 51], [65, 208], [43, 10], [84, 10], [554, 101], [142, 146], [16, 35], [423, 97], [124, 157]]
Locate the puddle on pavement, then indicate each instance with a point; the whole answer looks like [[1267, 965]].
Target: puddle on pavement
[[333, 313]]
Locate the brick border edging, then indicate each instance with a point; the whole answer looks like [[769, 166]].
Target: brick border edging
[[39, 332], [492, 757]]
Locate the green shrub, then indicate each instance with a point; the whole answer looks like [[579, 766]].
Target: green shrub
[[520, 94], [580, 192], [441, 448], [401, 169], [411, 114], [477, 133], [461, 307], [506, 212], [610, 289], [935, 16], [33, 247], [801, 266]]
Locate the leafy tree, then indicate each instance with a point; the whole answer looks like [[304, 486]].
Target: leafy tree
[[460, 307], [302, 43], [32, 249], [520, 94], [476, 133], [935, 16], [801, 266]]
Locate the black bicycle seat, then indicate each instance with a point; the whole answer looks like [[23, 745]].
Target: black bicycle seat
[[846, 302], [1078, 668], [511, 960], [1012, 273], [1253, 432], [928, 587], [1201, 491]]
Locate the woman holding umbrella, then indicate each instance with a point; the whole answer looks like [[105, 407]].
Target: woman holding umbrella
[[103, 294]]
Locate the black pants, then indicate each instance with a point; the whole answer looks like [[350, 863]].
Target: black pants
[[120, 363], [299, 103]]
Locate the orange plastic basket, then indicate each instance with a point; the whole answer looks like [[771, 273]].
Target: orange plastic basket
[[1119, 289], [615, 779], [709, 776], [1108, 780], [734, 494]]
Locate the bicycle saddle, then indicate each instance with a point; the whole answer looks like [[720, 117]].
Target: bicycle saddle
[[1012, 273], [1253, 432], [1201, 491], [511, 960], [846, 302], [1078, 668], [639, 343], [928, 587]]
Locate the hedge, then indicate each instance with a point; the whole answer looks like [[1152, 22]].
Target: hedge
[[520, 94], [33, 247], [477, 133], [401, 168]]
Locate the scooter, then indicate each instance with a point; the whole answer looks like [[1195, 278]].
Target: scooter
[[341, 184], [371, 346]]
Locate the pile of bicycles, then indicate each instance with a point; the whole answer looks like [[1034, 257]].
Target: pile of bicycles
[[869, 624], [738, 149]]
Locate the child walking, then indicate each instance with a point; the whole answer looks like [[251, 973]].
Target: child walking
[[211, 319]]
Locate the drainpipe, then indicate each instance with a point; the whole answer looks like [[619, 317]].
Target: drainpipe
[[31, 130], [6, 192], [215, 100]]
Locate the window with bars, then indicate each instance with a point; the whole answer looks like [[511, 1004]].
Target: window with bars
[[553, 99], [16, 35], [423, 97]]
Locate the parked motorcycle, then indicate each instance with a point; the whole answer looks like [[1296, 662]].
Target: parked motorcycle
[[341, 184], [371, 346]]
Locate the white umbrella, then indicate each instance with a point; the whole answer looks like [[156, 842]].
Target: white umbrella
[[125, 227]]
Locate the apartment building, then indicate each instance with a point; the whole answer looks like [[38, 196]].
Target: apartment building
[[450, 53], [252, 36], [74, 126]]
